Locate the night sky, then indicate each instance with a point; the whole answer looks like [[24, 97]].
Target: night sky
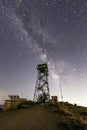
[[39, 31]]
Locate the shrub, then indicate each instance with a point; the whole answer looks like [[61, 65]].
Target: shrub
[[26, 104], [73, 124], [84, 113], [1, 109], [65, 112]]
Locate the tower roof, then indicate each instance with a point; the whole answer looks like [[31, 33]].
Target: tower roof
[[43, 68]]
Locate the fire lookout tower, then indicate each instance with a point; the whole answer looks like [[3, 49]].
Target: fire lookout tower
[[42, 87]]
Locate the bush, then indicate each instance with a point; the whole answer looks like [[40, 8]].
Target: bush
[[73, 124], [65, 112], [1, 109], [84, 113], [30, 102], [26, 104]]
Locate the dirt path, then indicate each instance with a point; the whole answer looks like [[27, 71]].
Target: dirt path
[[36, 118]]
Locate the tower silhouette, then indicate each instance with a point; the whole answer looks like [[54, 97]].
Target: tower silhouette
[[41, 93]]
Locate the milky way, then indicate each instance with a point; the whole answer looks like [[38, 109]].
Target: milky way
[[37, 31]]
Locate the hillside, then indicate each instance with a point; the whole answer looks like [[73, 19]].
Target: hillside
[[63, 116], [74, 117]]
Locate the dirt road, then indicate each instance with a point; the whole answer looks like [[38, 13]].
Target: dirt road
[[36, 118]]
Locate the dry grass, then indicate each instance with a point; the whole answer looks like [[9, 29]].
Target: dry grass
[[74, 117]]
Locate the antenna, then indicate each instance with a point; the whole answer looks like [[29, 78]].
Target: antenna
[[61, 91]]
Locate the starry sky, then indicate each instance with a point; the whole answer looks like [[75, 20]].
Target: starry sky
[[40, 31]]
